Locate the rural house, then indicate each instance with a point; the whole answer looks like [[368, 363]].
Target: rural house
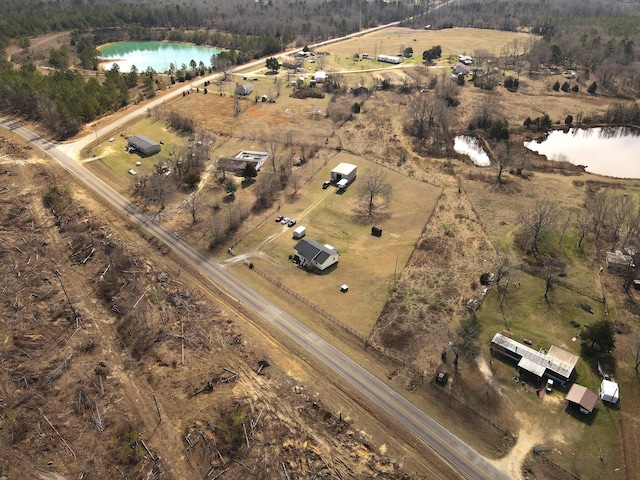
[[319, 76], [395, 59], [556, 364], [142, 145], [311, 254], [244, 90], [583, 398], [460, 69], [238, 163], [344, 171]]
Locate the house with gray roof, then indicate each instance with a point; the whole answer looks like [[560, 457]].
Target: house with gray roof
[[244, 90], [313, 255], [142, 145]]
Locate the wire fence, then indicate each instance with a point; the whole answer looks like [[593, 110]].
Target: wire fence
[[362, 338]]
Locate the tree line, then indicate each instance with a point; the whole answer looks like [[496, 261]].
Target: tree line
[[598, 38], [63, 100], [305, 22]]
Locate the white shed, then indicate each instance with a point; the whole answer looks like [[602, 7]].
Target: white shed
[[609, 391], [344, 171]]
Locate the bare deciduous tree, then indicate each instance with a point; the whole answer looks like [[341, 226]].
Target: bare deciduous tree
[[421, 112], [503, 160], [635, 350], [538, 221], [598, 206], [193, 204], [487, 109], [551, 276], [622, 209], [374, 191], [464, 341], [584, 226]]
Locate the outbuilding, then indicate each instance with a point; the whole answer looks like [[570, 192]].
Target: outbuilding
[[344, 171], [582, 397], [609, 391], [244, 90], [143, 146]]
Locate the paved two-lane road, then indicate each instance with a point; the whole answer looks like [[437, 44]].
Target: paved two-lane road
[[456, 452]]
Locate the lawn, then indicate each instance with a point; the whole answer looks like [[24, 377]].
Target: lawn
[[112, 162], [367, 264]]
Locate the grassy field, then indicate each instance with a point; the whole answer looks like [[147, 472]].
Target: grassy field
[[112, 162], [367, 264]]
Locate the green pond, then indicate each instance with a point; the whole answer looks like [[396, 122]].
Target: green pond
[[157, 55]]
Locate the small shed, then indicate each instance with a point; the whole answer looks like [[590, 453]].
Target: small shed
[[376, 231], [244, 90], [142, 145], [609, 391], [583, 398], [343, 171]]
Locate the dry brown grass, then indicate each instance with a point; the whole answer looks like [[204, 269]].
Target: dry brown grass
[[454, 41]]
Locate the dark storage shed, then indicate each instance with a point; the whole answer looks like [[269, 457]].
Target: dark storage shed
[[143, 146]]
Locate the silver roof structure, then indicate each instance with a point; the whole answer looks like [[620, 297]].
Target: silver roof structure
[[556, 361]]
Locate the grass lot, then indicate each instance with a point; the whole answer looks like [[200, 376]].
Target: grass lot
[[113, 163], [367, 263]]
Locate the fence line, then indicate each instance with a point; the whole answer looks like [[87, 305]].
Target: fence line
[[313, 306], [350, 330]]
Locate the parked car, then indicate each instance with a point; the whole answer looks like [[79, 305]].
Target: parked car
[[326, 184], [291, 222], [132, 172], [279, 218], [285, 220]]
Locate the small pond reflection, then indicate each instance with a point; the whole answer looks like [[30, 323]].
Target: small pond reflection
[[468, 145], [610, 151]]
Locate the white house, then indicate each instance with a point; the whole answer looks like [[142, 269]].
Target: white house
[[311, 254], [344, 171], [319, 76], [396, 59]]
